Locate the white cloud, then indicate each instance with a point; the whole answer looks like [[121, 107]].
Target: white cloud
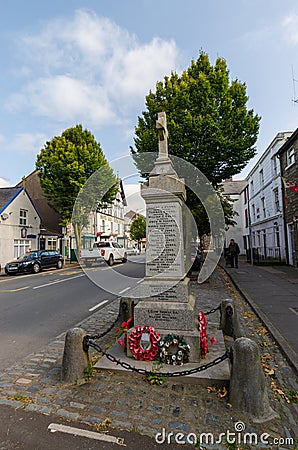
[[88, 68], [26, 143], [138, 69], [290, 25], [4, 182], [67, 98], [134, 200]]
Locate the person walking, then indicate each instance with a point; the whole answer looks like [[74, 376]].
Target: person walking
[[234, 251]]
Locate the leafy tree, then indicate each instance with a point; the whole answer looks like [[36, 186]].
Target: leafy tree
[[65, 164], [138, 229], [208, 122]]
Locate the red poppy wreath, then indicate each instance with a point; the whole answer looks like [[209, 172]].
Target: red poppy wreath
[[143, 343]]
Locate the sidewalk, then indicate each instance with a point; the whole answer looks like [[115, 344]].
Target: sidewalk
[[272, 292], [127, 401]]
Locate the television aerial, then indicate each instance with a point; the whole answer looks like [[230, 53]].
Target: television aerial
[[295, 99]]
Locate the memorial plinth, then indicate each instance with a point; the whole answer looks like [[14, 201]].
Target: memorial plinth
[[164, 299]]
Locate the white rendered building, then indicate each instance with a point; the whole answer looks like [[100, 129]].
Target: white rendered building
[[264, 236]]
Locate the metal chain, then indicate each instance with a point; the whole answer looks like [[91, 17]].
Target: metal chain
[[212, 310], [100, 335], [151, 373]]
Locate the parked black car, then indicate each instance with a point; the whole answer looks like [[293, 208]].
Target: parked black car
[[35, 261]]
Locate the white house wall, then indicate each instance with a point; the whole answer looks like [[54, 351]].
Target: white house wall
[[262, 181], [236, 232], [10, 229]]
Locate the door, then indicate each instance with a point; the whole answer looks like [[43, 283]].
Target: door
[[42, 244], [291, 241]]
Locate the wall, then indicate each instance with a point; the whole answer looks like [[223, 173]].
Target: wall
[[10, 229]]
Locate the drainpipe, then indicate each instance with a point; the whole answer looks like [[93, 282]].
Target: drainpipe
[[283, 193], [249, 226]]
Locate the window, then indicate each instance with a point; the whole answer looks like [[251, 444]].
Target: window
[[245, 196], [290, 156], [23, 217], [276, 200], [246, 218], [20, 246], [52, 243], [252, 190], [263, 206], [276, 235], [253, 208], [254, 239], [261, 177], [274, 165]]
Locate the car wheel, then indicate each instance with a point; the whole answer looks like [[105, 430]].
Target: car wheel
[[36, 268], [111, 260], [124, 260], [59, 264]]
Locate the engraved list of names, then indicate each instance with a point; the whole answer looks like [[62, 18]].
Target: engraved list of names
[[165, 240]]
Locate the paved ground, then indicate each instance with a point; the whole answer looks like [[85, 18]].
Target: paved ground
[[129, 402], [273, 294]]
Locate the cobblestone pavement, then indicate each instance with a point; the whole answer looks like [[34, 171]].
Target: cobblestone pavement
[[128, 401]]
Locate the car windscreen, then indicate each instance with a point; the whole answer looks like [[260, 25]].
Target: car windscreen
[[30, 255]]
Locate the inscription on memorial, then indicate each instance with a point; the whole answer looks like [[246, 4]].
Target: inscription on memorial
[[164, 236], [164, 316]]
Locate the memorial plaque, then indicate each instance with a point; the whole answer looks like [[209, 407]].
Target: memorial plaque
[[165, 240], [156, 290], [169, 316]]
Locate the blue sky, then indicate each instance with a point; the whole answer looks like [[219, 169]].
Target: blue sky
[[94, 61]]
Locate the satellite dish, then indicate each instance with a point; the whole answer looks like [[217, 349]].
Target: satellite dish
[[4, 216]]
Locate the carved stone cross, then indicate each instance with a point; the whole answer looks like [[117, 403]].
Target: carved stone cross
[[161, 125]]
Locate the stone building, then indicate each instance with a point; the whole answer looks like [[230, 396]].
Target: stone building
[[288, 156]]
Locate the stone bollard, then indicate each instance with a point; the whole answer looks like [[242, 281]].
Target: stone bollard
[[248, 391], [229, 322], [75, 358], [126, 309]]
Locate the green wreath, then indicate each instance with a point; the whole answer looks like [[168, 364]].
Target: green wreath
[[174, 350]]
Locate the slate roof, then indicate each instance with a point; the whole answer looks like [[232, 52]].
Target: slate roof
[[49, 218], [288, 142], [234, 187], [7, 194]]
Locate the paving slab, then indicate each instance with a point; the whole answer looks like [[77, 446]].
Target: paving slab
[[273, 297]]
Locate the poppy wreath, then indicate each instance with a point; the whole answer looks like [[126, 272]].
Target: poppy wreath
[[134, 341], [173, 349], [203, 334]]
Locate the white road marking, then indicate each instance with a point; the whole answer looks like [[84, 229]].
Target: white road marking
[[140, 281], [85, 433], [294, 310], [58, 281], [124, 290], [98, 305]]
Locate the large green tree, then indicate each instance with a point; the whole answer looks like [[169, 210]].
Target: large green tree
[[208, 121], [138, 229], [65, 164]]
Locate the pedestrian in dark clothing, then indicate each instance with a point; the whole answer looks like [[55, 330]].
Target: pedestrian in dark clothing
[[234, 251]]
